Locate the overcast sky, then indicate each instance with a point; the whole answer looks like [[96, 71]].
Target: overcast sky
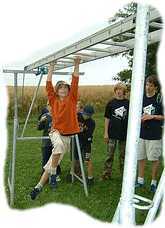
[[33, 29], [39, 28]]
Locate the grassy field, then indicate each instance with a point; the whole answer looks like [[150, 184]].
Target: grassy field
[[103, 196]]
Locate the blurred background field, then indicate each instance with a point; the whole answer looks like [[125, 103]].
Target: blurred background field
[[97, 96]]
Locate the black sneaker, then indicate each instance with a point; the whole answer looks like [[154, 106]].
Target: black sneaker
[[139, 185], [34, 193], [53, 181], [90, 181], [153, 188]]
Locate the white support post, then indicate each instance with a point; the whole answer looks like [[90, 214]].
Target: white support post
[[72, 157], [156, 200], [31, 106], [11, 186], [23, 85], [127, 211], [81, 165]]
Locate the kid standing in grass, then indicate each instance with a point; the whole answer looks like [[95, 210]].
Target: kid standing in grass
[[85, 138], [115, 128], [63, 101], [150, 142], [44, 124], [87, 127], [77, 169]]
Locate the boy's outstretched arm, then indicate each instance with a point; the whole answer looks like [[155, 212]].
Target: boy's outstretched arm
[[75, 79], [49, 86], [76, 66], [50, 71]]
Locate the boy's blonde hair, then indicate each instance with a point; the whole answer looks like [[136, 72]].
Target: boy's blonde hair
[[120, 85]]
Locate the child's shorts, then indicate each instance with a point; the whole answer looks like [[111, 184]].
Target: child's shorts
[[61, 144], [150, 149], [86, 152]]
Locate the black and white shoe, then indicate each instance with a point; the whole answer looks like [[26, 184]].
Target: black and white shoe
[[53, 181], [34, 193], [90, 181]]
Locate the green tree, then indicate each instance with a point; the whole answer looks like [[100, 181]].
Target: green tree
[[125, 75]]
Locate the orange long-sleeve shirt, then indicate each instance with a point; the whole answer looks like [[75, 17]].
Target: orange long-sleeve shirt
[[64, 114]]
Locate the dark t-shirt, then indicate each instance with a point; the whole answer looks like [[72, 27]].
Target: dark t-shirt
[[152, 129], [88, 127], [117, 112]]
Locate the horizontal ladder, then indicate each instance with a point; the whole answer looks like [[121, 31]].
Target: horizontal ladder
[[101, 44]]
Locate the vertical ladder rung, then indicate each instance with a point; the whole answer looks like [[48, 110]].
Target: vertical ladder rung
[[98, 50]]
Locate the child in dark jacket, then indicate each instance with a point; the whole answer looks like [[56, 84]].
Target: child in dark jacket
[[86, 137], [87, 127], [76, 164], [44, 124]]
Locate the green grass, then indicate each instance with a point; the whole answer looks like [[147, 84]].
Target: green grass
[[103, 196]]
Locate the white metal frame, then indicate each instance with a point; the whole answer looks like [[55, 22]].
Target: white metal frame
[[127, 210], [88, 50], [11, 177], [104, 36]]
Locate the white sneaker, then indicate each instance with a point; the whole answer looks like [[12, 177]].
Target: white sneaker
[[58, 178]]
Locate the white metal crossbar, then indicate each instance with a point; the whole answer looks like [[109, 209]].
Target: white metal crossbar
[[104, 36], [34, 72], [140, 199]]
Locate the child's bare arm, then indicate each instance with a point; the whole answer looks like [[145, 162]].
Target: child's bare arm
[[75, 79], [49, 85], [50, 71], [76, 66], [152, 117], [106, 125]]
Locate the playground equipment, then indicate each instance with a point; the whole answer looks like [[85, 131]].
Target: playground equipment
[[139, 30]]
